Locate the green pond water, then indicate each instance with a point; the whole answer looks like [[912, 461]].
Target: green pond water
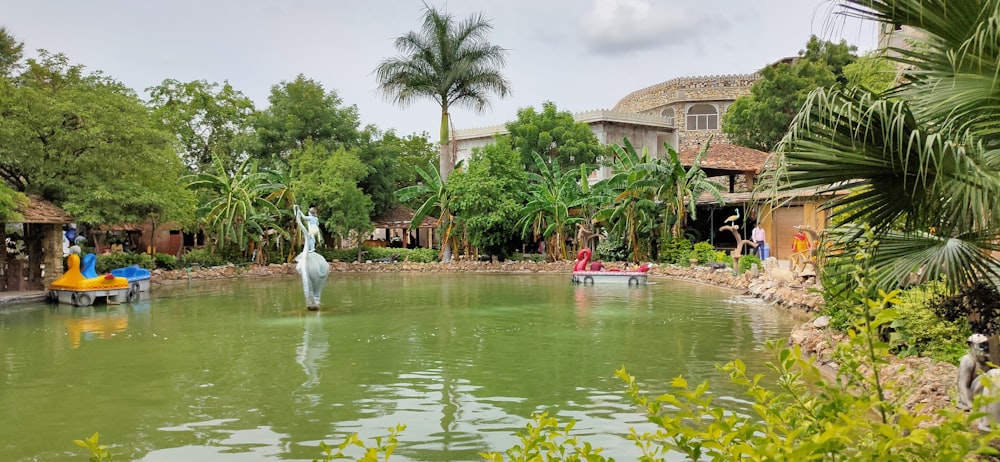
[[239, 371]]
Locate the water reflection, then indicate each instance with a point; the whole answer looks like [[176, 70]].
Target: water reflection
[[94, 322], [237, 370]]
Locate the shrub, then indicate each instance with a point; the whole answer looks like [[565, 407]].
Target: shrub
[[165, 261], [108, 262], [200, 257], [676, 251], [747, 261], [704, 252], [612, 248]]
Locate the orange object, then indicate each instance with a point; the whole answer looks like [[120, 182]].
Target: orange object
[[800, 243]]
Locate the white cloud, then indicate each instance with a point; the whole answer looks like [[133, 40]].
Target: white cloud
[[617, 26]]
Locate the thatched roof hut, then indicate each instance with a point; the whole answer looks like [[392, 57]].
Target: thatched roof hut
[[41, 261]]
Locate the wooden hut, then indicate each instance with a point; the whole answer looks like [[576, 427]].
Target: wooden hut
[[35, 257], [393, 229]]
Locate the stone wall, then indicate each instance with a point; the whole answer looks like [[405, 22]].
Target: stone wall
[[687, 89]]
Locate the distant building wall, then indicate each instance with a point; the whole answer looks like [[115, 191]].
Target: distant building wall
[[686, 99]]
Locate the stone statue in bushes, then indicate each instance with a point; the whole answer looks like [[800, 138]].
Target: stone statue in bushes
[[971, 369], [310, 264]]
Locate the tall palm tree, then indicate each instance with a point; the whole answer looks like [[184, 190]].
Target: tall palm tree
[[450, 62], [921, 160]]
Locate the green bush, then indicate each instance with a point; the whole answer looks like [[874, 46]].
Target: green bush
[[747, 261], [919, 331], [165, 261], [611, 248], [200, 257], [108, 262], [676, 251], [703, 251], [420, 255]]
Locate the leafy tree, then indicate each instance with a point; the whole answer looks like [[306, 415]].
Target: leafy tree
[[449, 62], [413, 151], [299, 111], [11, 52], [328, 180], [235, 207], [760, 119], [87, 143], [920, 161], [872, 72], [208, 120], [487, 198], [380, 153], [556, 135], [554, 199], [681, 187], [631, 210], [436, 199]]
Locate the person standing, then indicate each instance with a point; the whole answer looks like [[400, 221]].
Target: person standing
[[758, 237]]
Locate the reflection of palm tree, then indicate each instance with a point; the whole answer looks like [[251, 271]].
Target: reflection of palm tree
[[920, 157]]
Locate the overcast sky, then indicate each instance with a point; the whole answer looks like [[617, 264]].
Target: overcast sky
[[579, 54]]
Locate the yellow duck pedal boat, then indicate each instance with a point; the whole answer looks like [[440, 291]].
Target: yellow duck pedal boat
[[75, 289]]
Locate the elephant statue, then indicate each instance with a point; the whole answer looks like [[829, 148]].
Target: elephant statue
[[311, 265]]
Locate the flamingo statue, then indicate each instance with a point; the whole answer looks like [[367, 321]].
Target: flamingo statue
[[732, 218]]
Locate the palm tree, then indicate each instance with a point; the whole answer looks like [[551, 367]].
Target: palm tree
[[437, 199], [449, 62], [921, 160]]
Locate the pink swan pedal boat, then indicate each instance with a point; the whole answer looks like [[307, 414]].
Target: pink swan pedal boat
[[582, 275]]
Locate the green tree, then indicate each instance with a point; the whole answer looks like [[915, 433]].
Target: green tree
[[872, 72], [299, 111], [681, 188], [631, 210], [208, 120], [450, 62], [760, 119], [554, 134], [89, 144], [436, 199], [487, 197], [11, 52], [380, 152], [920, 161], [553, 196], [235, 207], [413, 151], [328, 180]]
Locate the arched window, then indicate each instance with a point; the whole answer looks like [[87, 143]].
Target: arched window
[[702, 117], [668, 113]]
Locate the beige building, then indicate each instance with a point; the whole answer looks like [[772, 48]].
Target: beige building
[[682, 112]]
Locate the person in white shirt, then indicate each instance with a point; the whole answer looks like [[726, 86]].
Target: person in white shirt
[[757, 236]]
